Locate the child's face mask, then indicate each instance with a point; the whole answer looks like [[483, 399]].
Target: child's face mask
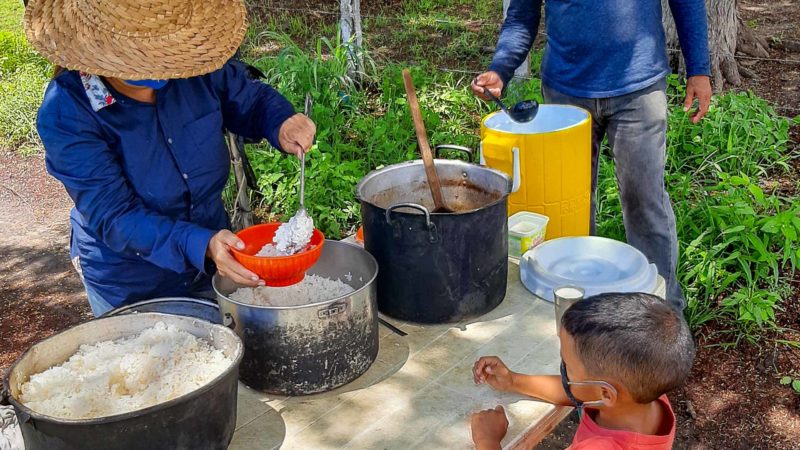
[[578, 403]]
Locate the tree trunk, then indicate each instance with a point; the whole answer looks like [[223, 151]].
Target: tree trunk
[[242, 216], [727, 34], [352, 36]]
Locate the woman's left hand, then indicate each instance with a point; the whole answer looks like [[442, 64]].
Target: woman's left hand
[[297, 134]]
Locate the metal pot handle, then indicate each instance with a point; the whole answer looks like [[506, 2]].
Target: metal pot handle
[[459, 148], [228, 321], [4, 395], [416, 206], [433, 235]]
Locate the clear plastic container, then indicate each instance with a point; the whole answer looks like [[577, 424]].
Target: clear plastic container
[[525, 231]]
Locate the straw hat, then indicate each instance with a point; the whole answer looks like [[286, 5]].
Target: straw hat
[[137, 39]]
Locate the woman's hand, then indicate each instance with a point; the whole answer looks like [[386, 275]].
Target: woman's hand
[[219, 250], [493, 371], [489, 427], [297, 134], [489, 80]]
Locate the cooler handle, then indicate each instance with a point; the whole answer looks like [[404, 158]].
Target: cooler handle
[[515, 171]]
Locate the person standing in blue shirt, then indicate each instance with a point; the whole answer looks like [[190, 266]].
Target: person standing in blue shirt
[[132, 125], [610, 58]]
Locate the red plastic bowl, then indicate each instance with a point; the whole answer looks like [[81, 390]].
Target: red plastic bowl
[[276, 271]]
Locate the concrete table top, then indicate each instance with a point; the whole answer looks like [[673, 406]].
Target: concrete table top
[[419, 392]]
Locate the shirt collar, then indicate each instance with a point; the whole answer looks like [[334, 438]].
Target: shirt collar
[[97, 92]]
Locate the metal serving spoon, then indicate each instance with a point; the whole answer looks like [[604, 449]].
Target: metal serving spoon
[[301, 216]]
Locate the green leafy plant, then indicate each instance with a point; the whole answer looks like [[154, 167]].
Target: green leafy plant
[[23, 76], [793, 382]]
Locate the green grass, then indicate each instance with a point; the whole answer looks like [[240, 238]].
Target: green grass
[[739, 236], [11, 15], [23, 77]]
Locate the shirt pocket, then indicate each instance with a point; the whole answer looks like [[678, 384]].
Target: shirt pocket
[[207, 153]]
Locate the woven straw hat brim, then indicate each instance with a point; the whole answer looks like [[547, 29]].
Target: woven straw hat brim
[[137, 39]]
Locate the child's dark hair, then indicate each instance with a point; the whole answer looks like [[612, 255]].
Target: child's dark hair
[[635, 339]]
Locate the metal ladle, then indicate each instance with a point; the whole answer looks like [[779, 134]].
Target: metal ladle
[[301, 211], [302, 208], [522, 112]]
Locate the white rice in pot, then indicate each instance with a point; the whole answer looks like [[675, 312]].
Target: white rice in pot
[[113, 377], [312, 289]]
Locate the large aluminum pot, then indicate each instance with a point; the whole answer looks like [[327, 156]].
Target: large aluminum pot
[[437, 268], [298, 350], [181, 306], [202, 419]]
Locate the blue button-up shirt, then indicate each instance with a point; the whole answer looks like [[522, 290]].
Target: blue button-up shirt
[[147, 179]]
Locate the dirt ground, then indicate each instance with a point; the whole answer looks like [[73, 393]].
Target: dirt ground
[[40, 294], [733, 399]]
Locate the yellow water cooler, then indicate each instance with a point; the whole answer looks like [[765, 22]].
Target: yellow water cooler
[[550, 162]]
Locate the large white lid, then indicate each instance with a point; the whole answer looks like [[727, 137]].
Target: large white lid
[[549, 119], [596, 264]]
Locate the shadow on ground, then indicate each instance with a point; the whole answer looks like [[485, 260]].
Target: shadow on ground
[[40, 294]]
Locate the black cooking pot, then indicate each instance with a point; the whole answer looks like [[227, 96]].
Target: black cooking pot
[[201, 419], [443, 267]]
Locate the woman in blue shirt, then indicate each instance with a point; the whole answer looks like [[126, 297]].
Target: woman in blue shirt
[[133, 128]]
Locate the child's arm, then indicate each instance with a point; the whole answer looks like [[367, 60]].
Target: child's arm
[[489, 427], [493, 371]]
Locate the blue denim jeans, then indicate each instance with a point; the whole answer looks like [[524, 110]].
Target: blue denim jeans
[[636, 126]]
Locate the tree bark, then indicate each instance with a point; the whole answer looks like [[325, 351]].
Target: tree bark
[[727, 34], [350, 25]]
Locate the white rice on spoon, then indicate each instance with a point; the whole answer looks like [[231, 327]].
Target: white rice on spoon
[[292, 237]]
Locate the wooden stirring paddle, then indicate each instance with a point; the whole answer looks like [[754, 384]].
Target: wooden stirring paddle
[[424, 147]]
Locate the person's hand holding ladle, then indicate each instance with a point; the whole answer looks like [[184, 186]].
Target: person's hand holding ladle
[[522, 112]]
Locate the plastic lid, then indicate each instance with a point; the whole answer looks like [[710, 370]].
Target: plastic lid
[[598, 265], [550, 118]]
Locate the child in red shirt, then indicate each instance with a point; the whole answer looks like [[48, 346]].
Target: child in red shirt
[[621, 353]]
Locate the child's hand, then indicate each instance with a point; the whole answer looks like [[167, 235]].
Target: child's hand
[[489, 427], [491, 370]]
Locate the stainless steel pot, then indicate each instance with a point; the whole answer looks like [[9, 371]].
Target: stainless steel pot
[[182, 306], [202, 419], [435, 267], [298, 350]]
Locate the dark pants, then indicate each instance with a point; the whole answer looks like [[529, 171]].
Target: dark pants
[[636, 126]]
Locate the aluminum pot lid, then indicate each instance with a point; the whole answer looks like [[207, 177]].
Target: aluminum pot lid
[[598, 265]]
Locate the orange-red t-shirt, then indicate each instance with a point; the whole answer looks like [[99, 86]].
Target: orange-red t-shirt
[[591, 436]]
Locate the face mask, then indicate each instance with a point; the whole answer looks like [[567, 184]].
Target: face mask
[[153, 84], [580, 405]]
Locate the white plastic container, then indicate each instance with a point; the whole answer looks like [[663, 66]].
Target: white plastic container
[[525, 231]]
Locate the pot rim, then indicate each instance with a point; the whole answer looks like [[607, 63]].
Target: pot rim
[[238, 355], [367, 285], [418, 162], [124, 309]]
